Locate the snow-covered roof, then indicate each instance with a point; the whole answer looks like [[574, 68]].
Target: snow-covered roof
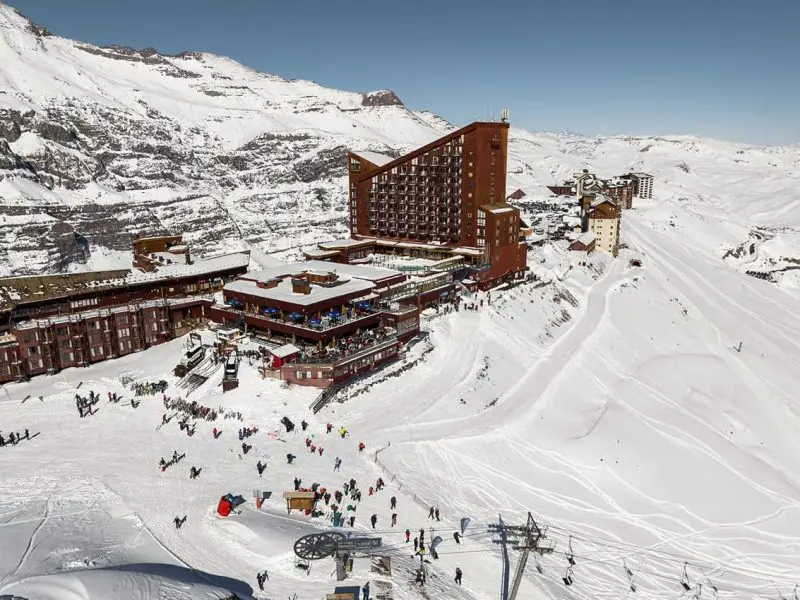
[[367, 273], [376, 158], [200, 266], [600, 199], [317, 253], [284, 292], [586, 238], [285, 350], [345, 243], [497, 208]]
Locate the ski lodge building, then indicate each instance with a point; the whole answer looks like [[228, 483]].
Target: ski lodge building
[[443, 201], [343, 319], [51, 322]]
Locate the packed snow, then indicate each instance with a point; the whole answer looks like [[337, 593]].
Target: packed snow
[[647, 416], [614, 406]]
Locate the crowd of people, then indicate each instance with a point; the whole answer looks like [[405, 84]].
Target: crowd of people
[[190, 409], [86, 405], [337, 505], [246, 432], [14, 438], [149, 388], [341, 505]]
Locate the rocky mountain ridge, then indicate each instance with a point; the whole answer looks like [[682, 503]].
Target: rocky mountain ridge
[[100, 145]]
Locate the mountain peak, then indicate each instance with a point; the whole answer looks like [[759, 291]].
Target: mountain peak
[[381, 98], [12, 18]]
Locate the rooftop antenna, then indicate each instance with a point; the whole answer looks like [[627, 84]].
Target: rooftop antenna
[[504, 115]]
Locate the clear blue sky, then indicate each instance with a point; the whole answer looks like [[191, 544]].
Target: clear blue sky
[[728, 69]]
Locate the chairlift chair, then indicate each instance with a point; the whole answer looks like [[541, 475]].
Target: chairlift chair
[[715, 589], [629, 573], [685, 579], [538, 565], [570, 555], [699, 593], [569, 577]]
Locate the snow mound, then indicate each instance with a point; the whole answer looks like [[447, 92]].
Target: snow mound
[[134, 581]]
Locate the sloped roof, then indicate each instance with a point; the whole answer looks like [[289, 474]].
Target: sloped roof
[[376, 158], [497, 208]]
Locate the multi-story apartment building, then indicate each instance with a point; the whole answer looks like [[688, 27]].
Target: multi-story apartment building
[[642, 184], [80, 339], [620, 191], [51, 322], [441, 196], [602, 216]]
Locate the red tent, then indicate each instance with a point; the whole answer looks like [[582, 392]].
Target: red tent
[[224, 507]]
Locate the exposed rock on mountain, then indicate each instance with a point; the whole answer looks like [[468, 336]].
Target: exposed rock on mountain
[[105, 144]]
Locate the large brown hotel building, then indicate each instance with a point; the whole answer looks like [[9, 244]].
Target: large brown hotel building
[[447, 194]]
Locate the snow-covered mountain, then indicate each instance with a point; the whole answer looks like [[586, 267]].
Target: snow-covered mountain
[[101, 144], [647, 415]]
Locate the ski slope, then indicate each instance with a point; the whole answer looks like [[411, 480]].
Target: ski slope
[[633, 426]]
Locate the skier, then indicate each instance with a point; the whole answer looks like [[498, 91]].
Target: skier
[[421, 537], [416, 545], [11, 438], [2, 441], [179, 522], [430, 513], [313, 448], [320, 450], [337, 464], [174, 456], [329, 427], [290, 458], [303, 424], [408, 535], [193, 473], [373, 519], [457, 537], [162, 464], [361, 446], [297, 483], [458, 576], [393, 503], [27, 435], [260, 468], [436, 512], [394, 519], [352, 520], [370, 490], [365, 591], [214, 433]]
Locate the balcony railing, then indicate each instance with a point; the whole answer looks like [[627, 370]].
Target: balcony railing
[[385, 342]]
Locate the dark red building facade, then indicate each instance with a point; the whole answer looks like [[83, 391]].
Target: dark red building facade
[[435, 196]]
